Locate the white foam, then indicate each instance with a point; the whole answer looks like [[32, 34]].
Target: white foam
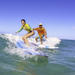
[[51, 42]]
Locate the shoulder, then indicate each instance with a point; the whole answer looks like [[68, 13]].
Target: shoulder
[[27, 24], [43, 28]]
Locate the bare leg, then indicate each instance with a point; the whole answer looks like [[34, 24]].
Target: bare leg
[[27, 36], [36, 39], [25, 40], [41, 41]]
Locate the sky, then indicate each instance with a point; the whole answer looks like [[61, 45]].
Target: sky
[[57, 16]]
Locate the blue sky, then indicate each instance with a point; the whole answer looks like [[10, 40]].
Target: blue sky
[[57, 16]]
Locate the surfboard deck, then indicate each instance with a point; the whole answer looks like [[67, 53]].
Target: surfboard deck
[[29, 50]]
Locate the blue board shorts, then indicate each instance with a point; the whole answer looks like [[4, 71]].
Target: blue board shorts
[[42, 36]]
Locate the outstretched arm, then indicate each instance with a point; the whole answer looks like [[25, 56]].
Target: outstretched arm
[[35, 28], [20, 29]]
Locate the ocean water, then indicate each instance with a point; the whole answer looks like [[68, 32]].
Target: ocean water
[[60, 60]]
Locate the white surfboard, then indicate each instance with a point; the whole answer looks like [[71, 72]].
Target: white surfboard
[[29, 50]]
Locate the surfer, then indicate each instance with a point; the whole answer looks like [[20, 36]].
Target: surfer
[[41, 32], [26, 27]]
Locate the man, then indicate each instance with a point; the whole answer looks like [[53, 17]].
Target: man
[[26, 27], [41, 32]]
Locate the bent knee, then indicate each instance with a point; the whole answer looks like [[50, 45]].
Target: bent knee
[[22, 38]]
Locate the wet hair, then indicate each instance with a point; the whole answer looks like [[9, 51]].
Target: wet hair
[[23, 20]]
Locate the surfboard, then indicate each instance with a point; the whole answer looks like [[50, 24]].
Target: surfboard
[[45, 44], [29, 50], [21, 44]]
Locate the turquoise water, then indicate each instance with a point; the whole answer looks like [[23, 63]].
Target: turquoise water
[[60, 61]]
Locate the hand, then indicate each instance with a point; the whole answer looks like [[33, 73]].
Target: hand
[[16, 32], [46, 36]]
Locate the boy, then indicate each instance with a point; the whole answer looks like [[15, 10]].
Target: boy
[[41, 32]]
